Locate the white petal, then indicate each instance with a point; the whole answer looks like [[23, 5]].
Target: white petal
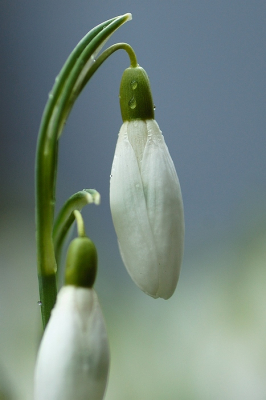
[[137, 135], [130, 217], [165, 208], [73, 358]]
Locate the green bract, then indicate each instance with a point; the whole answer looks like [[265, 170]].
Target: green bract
[[81, 263], [135, 95]]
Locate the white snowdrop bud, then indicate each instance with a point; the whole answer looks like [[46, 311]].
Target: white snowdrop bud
[[73, 359], [145, 195]]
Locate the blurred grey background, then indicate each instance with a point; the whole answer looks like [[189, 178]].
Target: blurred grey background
[[206, 62]]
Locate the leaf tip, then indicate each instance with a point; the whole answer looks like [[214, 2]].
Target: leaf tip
[[128, 16]]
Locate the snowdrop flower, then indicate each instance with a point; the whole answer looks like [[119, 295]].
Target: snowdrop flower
[[73, 358], [145, 195]]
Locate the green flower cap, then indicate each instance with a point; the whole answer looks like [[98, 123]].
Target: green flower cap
[[81, 263], [135, 95]]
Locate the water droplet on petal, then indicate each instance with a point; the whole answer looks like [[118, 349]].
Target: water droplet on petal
[[132, 103], [154, 107], [134, 85], [39, 303]]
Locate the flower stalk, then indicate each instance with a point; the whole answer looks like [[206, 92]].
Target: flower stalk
[[66, 218], [67, 87]]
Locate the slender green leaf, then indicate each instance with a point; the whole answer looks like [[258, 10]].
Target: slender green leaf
[[47, 153]]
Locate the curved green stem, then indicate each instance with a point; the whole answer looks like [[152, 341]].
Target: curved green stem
[[83, 80], [80, 223], [66, 218], [105, 54], [46, 156]]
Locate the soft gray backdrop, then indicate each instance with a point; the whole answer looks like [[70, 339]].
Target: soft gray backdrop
[[206, 62]]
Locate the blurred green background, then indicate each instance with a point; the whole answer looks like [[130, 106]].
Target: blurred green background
[[206, 62]]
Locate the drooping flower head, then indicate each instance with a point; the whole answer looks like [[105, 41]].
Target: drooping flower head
[[145, 195]]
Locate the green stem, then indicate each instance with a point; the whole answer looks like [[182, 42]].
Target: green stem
[[46, 156], [67, 101], [47, 283], [105, 54], [98, 62], [80, 224], [66, 217]]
